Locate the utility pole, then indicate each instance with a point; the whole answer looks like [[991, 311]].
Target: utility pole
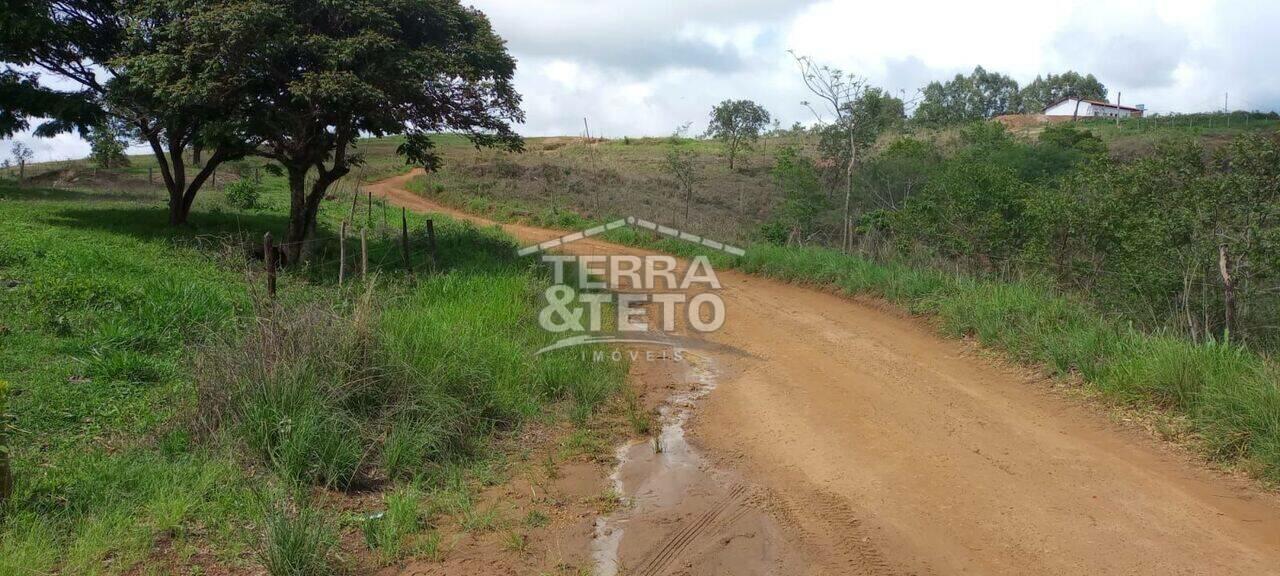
[[1118, 109]]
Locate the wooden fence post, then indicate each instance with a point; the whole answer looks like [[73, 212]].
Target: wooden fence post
[[364, 254], [431, 241], [404, 240], [269, 255], [355, 199], [342, 254]]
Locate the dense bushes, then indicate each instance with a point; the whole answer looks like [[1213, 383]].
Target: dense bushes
[[1146, 239]]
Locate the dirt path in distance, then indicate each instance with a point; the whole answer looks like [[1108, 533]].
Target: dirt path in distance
[[878, 447]]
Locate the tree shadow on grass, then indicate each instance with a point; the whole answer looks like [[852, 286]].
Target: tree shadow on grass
[[152, 224], [41, 194], [459, 246]]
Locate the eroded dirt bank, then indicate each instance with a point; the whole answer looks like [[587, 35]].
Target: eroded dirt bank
[[877, 447]]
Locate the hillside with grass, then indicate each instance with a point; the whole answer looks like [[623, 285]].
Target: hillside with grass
[[166, 414]]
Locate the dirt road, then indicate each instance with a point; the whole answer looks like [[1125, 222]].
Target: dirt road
[[878, 447]]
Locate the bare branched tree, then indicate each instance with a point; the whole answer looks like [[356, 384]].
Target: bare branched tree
[[836, 92]]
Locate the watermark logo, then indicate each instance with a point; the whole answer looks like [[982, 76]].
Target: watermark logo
[[629, 221], [630, 299]]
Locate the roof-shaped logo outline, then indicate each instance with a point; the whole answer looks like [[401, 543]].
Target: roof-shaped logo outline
[[630, 221]]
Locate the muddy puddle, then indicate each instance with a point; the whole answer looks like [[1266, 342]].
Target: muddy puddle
[[679, 511]]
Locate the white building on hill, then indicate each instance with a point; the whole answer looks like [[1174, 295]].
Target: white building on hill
[[1091, 108]]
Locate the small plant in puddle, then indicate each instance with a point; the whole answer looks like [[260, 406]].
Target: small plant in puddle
[[641, 421], [609, 501], [298, 540]]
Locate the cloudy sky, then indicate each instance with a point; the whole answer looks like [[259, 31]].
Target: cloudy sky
[[644, 67]]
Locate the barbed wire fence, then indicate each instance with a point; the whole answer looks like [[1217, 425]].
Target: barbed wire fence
[[366, 244]]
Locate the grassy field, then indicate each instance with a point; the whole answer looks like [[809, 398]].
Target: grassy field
[[167, 417], [615, 178]]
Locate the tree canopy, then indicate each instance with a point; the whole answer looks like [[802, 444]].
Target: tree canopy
[[980, 95], [322, 75], [131, 64], [1044, 90], [295, 81], [737, 123]]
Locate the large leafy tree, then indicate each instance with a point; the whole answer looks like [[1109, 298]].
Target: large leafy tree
[[130, 62], [1044, 90], [326, 73], [737, 123], [978, 96]]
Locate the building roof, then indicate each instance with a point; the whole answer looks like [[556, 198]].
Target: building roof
[[1094, 102]]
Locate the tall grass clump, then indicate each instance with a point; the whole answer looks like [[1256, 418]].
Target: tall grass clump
[[390, 531], [297, 541], [294, 389], [345, 396], [470, 339]]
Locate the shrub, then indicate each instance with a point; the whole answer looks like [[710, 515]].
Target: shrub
[[106, 148], [243, 194], [298, 541], [295, 392]]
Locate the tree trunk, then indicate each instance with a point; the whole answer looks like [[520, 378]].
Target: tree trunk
[[196, 153], [304, 207], [1228, 293], [847, 239], [299, 227], [178, 209]]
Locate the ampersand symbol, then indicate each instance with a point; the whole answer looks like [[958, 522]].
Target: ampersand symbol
[[558, 299]]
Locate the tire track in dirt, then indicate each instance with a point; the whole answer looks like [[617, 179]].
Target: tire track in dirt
[[660, 559], [831, 531]]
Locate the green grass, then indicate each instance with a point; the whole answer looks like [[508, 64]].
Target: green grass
[[390, 532], [298, 542], [109, 320], [94, 335]]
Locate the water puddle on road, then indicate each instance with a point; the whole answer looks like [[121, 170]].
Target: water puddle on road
[[655, 475]]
